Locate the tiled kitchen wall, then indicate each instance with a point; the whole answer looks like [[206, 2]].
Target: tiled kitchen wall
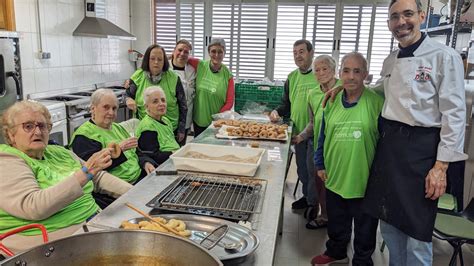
[[75, 61]]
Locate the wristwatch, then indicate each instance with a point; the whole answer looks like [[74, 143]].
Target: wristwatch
[[88, 174]]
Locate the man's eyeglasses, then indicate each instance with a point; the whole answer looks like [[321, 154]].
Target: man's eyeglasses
[[407, 14], [28, 127]]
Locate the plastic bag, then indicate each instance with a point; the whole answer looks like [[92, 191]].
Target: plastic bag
[[227, 115]]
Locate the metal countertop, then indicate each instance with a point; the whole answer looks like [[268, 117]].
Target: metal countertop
[[266, 224]]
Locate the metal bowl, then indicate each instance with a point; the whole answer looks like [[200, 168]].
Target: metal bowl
[[116, 247]]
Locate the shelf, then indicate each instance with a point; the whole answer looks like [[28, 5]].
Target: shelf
[[446, 29]]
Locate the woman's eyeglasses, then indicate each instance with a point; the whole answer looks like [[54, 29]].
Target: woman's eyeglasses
[[28, 127]]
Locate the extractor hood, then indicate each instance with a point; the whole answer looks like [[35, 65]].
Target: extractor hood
[[94, 23]]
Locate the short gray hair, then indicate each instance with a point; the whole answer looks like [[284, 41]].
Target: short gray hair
[[97, 96], [327, 59], [356, 55], [419, 5], [149, 91], [216, 41]]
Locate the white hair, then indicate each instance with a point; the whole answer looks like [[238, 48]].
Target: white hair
[[327, 59], [151, 90], [97, 96]]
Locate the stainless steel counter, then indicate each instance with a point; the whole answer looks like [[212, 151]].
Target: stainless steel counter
[[266, 224]]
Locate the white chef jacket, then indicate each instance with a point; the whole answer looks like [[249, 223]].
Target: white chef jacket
[[188, 79], [427, 90]]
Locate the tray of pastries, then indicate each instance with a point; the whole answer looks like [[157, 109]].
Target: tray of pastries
[[234, 129]]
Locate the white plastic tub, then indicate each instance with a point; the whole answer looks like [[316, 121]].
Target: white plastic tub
[[228, 167]]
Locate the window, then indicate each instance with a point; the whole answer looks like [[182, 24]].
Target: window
[[244, 27], [259, 36], [165, 25], [289, 28], [320, 28], [191, 26]]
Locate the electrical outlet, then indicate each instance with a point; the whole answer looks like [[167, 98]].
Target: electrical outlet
[[44, 55]]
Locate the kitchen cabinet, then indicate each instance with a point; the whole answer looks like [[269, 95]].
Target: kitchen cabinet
[[7, 15]]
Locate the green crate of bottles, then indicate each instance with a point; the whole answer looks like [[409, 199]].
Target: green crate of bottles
[[268, 95]]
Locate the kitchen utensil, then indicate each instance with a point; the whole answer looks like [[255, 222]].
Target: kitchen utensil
[[114, 246], [227, 197], [149, 218], [232, 247], [214, 237], [200, 226]]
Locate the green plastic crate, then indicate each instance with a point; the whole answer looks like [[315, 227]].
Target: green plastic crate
[[267, 95]]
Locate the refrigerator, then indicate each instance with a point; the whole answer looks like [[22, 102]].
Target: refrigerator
[[10, 73]]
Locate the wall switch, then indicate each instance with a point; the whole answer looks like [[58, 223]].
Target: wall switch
[[44, 55]]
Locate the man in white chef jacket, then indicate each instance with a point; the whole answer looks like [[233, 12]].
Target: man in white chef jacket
[[422, 131]]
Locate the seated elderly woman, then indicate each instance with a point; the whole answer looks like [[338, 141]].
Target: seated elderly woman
[[101, 131], [155, 132], [46, 184]]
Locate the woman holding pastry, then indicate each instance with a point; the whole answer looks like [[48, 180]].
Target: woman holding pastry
[[46, 184], [156, 141], [101, 131]]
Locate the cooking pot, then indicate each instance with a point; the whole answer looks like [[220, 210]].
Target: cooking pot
[[117, 247]]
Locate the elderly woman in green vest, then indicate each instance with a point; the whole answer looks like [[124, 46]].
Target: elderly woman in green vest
[[155, 131], [324, 68], [155, 71], [101, 130], [43, 183], [214, 86]]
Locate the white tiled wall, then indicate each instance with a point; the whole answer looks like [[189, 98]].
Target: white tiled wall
[[75, 61]]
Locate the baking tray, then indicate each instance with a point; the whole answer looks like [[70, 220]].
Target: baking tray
[[232, 198], [223, 134], [200, 226], [181, 162]]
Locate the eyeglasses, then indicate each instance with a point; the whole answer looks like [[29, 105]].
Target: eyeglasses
[[407, 14], [28, 127]]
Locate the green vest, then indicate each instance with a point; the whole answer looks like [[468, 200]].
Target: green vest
[[168, 83], [165, 132], [211, 92], [349, 147], [57, 164], [128, 170], [315, 100], [300, 85]]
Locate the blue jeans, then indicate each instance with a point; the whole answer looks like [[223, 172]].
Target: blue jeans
[[305, 169], [405, 250]]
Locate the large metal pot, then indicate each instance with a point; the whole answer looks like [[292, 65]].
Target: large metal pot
[[118, 247]]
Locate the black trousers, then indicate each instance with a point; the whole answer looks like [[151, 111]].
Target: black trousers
[[198, 130], [183, 142], [341, 213]]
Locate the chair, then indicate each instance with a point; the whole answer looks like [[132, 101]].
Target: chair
[[446, 204], [457, 229]]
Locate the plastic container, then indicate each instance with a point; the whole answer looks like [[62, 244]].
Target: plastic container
[[267, 95], [434, 21], [183, 162]]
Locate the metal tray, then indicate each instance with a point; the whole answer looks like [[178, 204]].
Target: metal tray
[[214, 196], [200, 226], [222, 134]]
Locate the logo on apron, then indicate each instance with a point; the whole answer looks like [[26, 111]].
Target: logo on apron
[[423, 74]]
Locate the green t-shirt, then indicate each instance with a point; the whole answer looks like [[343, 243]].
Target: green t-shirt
[[168, 83], [128, 170], [211, 92], [299, 87], [351, 136], [57, 164], [315, 100], [164, 131]]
